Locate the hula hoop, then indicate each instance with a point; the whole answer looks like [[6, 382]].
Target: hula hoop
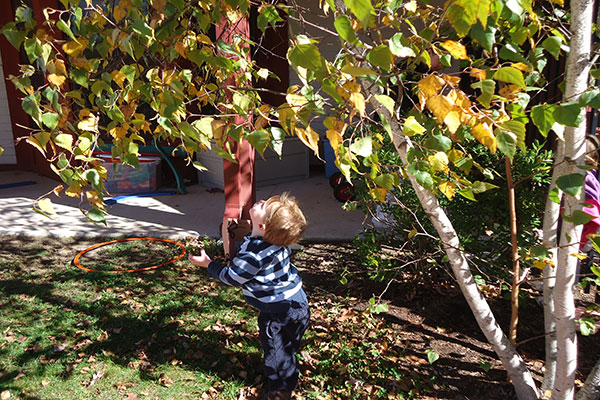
[[116, 271]]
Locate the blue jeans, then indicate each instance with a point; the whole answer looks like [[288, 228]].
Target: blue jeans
[[280, 335]]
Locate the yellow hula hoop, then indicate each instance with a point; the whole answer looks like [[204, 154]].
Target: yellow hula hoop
[[116, 271]]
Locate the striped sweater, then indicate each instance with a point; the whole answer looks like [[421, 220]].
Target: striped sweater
[[269, 280]]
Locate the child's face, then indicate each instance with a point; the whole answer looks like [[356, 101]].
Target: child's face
[[258, 214]]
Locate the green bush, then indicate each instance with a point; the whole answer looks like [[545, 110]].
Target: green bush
[[482, 225]]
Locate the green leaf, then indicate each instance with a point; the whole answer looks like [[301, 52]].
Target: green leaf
[[129, 71], [50, 119], [507, 143], [412, 127], [143, 29], [587, 326], [432, 356], [554, 195], [467, 193], [480, 187], [569, 114], [581, 218], [80, 76], [32, 107], [552, 45], [543, 117], [33, 49], [278, 137], [571, 184], [488, 88], [96, 215], [13, 35], [400, 47], [344, 28], [362, 147], [259, 139], [381, 57], [459, 19], [590, 98], [64, 140], [362, 9], [308, 56], [357, 71], [62, 25], [438, 142], [386, 101], [422, 176], [510, 75], [518, 128], [385, 181]]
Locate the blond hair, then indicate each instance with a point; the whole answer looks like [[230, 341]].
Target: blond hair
[[284, 223]]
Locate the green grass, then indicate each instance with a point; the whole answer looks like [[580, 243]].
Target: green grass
[[169, 333]]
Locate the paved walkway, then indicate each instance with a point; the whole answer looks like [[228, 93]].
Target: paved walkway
[[199, 212]]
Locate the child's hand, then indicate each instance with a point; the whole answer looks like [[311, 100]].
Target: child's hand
[[202, 260]]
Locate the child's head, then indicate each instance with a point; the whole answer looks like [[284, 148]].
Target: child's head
[[284, 221], [592, 144]]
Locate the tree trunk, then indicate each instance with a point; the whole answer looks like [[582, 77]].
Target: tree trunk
[[550, 238], [515, 366], [577, 76], [591, 388], [514, 317]]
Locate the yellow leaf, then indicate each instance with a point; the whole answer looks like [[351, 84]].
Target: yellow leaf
[[286, 117], [452, 120], [202, 38], [260, 122], [521, 66], [296, 100], [180, 48], [263, 73], [358, 101], [74, 49], [94, 199], [580, 256], [73, 191], [120, 10], [45, 205], [158, 5], [483, 133], [88, 121], [33, 141], [118, 132], [378, 194], [118, 77], [56, 80], [412, 127], [440, 106], [431, 85], [456, 49], [310, 138], [455, 155], [448, 189], [233, 15], [477, 73], [439, 161]]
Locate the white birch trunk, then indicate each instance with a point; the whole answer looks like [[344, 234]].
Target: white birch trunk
[[577, 76], [591, 387], [520, 376], [550, 238]]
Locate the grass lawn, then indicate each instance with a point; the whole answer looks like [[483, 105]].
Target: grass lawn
[[168, 333]]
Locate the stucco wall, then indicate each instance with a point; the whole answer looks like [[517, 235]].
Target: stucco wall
[[6, 133]]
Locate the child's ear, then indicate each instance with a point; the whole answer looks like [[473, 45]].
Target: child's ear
[[262, 227]]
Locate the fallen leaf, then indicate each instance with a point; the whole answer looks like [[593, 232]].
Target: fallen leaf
[[164, 380], [45, 382], [5, 395]]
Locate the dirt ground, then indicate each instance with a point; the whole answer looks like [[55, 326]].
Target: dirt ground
[[430, 312], [427, 312]]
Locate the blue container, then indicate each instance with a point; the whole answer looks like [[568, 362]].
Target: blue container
[[329, 156]]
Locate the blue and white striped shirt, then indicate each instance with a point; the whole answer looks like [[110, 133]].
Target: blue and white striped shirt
[[269, 280]]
